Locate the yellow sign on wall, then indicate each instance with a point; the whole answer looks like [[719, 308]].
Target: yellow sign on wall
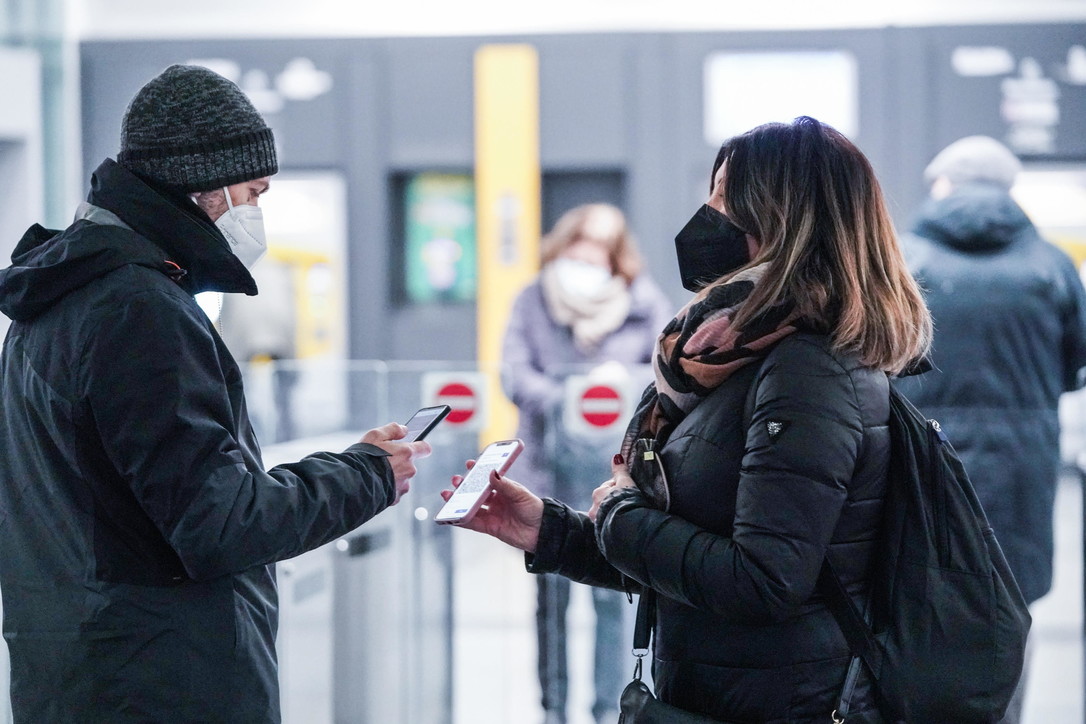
[[507, 192]]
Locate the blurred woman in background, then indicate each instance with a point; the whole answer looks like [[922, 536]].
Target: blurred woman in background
[[591, 305]]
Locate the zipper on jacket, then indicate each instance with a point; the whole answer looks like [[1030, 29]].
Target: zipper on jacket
[[936, 439]]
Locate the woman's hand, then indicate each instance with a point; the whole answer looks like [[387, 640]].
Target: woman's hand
[[512, 514], [620, 478]]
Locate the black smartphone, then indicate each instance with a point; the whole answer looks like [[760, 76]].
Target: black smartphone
[[425, 420]]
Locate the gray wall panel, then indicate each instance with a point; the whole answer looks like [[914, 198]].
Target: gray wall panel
[[970, 105], [369, 245], [428, 104], [584, 108], [907, 121], [658, 206], [628, 104]]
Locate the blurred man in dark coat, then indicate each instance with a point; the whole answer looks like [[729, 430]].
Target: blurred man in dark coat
[[1010, 338]]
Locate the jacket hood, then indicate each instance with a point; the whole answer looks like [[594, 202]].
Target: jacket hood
[[48, 264], [974, 217]]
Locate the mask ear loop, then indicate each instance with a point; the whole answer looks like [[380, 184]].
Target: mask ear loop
[[229, 201]]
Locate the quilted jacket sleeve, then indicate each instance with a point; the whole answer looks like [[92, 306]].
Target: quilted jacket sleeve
[[801, 450], [567, 546]]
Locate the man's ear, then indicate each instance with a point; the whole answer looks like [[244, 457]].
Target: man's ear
[[212, 203]]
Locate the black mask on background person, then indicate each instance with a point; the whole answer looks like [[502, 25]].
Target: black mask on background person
[[708, 247]]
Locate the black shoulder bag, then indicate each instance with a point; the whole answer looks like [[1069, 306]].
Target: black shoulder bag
[[637, 704]]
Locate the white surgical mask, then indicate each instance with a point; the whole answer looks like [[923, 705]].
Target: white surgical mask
[[243, 227], [580, 278]]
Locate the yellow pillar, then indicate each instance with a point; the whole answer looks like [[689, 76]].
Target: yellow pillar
[[507, 192]]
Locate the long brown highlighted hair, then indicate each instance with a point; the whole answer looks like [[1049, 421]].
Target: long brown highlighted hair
[[811, 199]]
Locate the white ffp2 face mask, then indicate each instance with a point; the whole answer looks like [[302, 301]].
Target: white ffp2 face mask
[[243, 227], [580, 278]]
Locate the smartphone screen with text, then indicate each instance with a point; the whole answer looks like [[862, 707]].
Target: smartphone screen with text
[[473, 491]]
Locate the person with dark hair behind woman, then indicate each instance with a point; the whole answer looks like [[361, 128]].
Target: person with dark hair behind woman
[[769, 413], [591, 305]]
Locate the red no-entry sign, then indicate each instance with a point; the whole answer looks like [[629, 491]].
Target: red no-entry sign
[[595, 405], [601, 405], [464, 392], [461, 398]]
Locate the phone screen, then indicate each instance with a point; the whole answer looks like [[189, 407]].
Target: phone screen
[[425, 420], [469, 495]]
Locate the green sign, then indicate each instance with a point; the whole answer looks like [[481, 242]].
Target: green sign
[[440, 235]]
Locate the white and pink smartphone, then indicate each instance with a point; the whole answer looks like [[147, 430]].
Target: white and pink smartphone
[[474, 489]]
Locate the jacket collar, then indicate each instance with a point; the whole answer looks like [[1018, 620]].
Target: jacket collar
[[176, 225]]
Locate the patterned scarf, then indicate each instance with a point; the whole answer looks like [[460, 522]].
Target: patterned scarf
[[590, 319], [699, 349]]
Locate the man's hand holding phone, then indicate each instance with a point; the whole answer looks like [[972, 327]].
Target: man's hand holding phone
[[425, 420], [402, 454]]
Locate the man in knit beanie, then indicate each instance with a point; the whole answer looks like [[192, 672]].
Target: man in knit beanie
[[138, 526], [1010, 337]]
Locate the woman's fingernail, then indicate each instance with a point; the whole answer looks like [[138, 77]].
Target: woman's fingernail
[[618, 459]]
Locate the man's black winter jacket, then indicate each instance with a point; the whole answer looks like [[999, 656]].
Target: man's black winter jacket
[[1010, 338], [137, 523], [741, 634]]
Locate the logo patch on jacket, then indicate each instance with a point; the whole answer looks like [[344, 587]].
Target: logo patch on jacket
[[775, 428]]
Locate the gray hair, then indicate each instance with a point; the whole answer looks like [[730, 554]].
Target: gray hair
[[973, 159]]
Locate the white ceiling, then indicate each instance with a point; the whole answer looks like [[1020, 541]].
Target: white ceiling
[[100, 19]]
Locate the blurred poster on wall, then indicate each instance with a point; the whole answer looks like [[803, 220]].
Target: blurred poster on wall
[[439, 229]]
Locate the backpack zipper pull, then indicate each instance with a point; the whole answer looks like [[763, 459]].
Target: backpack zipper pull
[[938, 430]]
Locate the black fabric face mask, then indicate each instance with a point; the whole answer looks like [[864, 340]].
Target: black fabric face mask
[[708, 247]]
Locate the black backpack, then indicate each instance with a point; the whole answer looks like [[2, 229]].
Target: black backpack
[[948, 625]]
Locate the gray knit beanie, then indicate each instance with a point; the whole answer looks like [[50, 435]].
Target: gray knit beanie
[[190, 129], [975, 158]]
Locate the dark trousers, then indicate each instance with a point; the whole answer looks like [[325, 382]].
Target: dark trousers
[[611, 649]]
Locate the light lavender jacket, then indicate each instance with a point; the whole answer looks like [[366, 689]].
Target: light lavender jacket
[[538, 353]]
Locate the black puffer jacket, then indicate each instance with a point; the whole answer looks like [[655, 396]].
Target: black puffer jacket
[[1010, 338], [741, 634], [136, 519]]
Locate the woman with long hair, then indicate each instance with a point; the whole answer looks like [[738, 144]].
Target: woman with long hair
[[768, 419]]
